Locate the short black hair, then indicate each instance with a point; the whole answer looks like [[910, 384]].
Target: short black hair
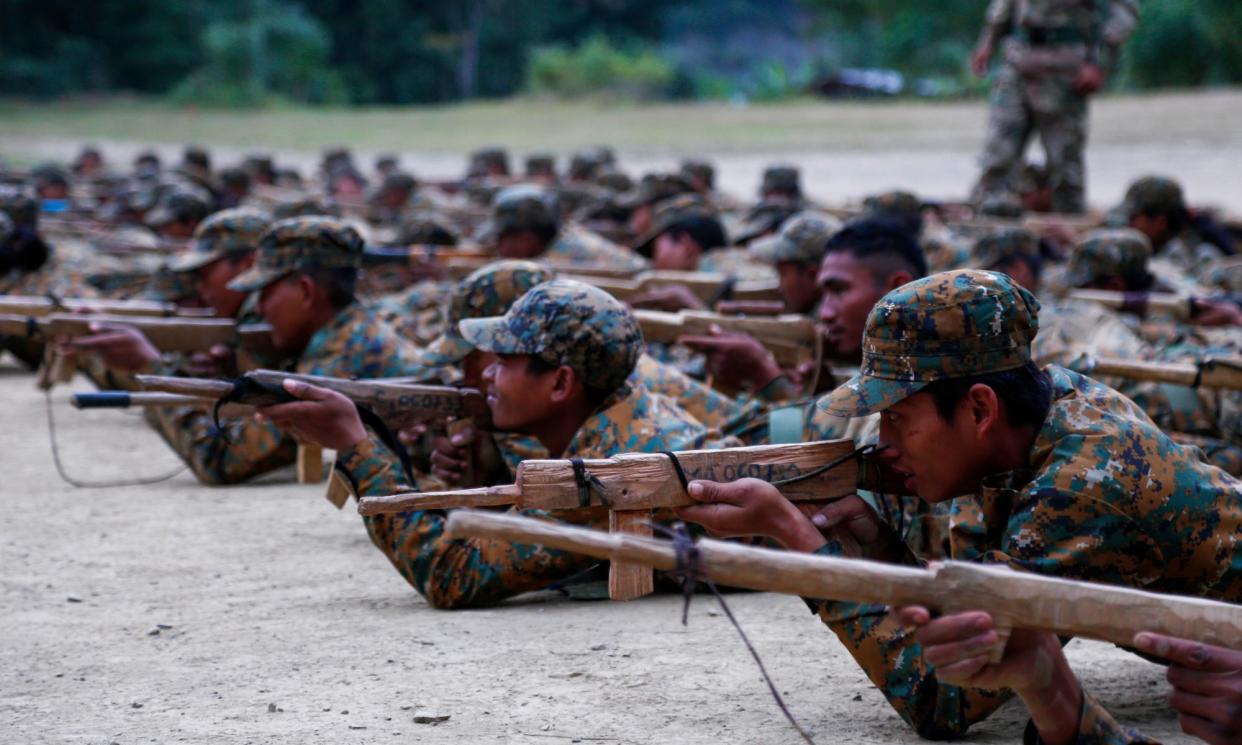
[[1025, 391], [706, 231], [536, 365], [338, 283], [1178, 217], [884, 242]]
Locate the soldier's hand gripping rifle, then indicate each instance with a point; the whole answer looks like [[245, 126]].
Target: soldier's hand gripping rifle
[[385, 405], [1014, 599], [630, 486]]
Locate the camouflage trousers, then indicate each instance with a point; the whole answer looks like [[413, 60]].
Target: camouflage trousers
[[1021, 106]]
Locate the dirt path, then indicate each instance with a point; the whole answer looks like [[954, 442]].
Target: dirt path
[[278, 622]]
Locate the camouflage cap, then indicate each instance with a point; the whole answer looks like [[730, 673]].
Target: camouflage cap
[[301, 243], [765, 218], [1002, 206], [523, 207], [260, 166], [1153, 194], [671, 211], [1118, 252], [48, 173], [781, 178], [395, 181], [564, 322], [486, 160], [583, 166], [21, 208], [227, 231], [892, 203], [948, 325], [1002, 246], [180, 204], [612, 179], [540, 164], [300, 206], [693, 169], [802, 239], [425, 231], [657, 187], [486, 293]]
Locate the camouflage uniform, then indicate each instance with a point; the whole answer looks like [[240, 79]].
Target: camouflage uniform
[[560, 322], [353, 344], [527, 207], [231, 231], [1047, 43], [734, 262], [944, 247], [1186, 251], [802, 239], [1072, 333], [1105, 497]]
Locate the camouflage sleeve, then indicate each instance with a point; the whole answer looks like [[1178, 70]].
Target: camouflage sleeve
[[450, 574], [1095, 727], [241, 450]]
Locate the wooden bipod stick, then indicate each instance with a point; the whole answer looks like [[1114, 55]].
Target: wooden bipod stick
[[1212, 372], [790, 338], [630, 486], [1014, 599]]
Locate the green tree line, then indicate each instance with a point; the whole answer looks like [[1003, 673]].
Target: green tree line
[[249, 52]]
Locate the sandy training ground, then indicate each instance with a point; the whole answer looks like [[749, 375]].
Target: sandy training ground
[[178, 613]]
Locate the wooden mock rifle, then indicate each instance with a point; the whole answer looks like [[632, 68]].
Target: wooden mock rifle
[[1211, 372], [35, 305], [707, 286], [792, 339], [1014, 599], [630, 486], [394, 403], [1180, 307]]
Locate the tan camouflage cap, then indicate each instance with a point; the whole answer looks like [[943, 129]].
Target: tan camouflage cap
[[949, 325], [486, 293], [670, 212], [564, 322], [1002, 246], [1153, 194], [1118, 252], [522, 207], [301, 243], [802, 239], [227, 231]]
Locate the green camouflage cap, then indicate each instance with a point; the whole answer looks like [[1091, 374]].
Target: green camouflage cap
[[802, 239], [657, 187], [1118, 252], [522, 207], [303, 206], [765, 218], [181, 204], [1002, 246], [301, 243], [486, 293], [540, 164], [613, 180], [670, 212], [21, 208], [225, 232], [395, 181], [949, 325], [693, 169], [484, 160], [1153, 194], [564, 322], [892, 204], [781, 178]]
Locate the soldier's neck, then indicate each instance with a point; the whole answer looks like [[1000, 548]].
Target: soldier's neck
[[557, 431]]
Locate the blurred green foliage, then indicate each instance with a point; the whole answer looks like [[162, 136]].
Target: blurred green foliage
[[256, 52]]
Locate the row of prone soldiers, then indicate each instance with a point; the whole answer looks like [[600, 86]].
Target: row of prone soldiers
[[958, 338]]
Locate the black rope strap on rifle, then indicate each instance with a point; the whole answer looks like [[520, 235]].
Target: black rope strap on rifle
[[586, 483], [860, 454], [1207, 365], [723, 292], [689, 571], [681, 474], [56, 302]]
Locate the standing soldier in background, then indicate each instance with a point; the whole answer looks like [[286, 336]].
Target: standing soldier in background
[[1055, 54]]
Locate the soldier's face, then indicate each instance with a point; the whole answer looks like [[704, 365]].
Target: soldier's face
[[211, 284], [679, 253], [940, 459], [799, 286], [518, 398], [849, 291], [286, 305], [473, 367]]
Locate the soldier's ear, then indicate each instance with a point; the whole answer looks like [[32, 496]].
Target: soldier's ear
[[565, 382], [983, 407], [899, 278]]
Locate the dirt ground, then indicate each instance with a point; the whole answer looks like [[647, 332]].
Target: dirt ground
[[175, 612]]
